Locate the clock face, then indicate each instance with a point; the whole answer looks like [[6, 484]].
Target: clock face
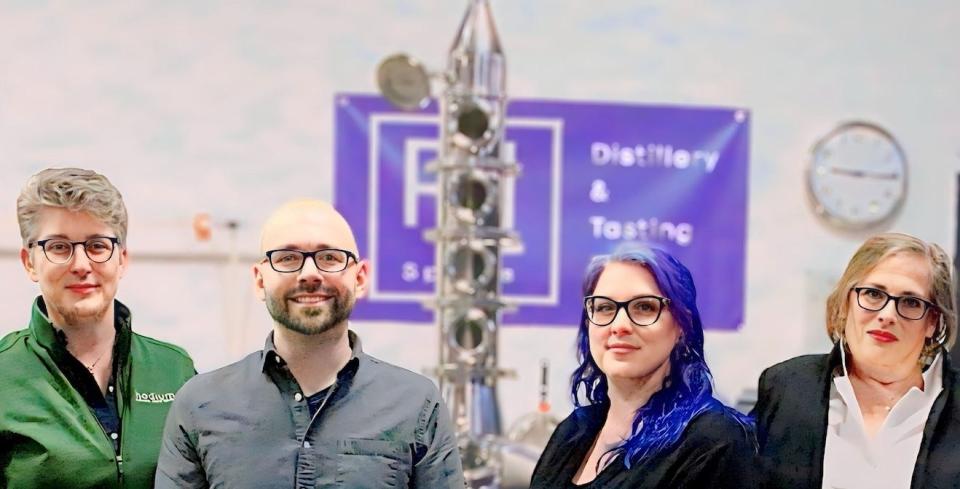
[[857, 176]]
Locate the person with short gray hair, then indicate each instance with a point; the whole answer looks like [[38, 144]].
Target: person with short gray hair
[[85, 397], [73, 189]]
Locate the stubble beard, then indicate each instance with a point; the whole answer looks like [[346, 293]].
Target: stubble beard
[[76, 315], [313, 320]]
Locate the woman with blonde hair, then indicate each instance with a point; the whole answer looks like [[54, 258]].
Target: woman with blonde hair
[[881, 410]]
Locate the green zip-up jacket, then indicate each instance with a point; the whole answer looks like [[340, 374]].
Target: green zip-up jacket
[[49, 436]]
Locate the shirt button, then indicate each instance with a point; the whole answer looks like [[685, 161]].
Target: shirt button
[[113, 436], [298, 396], [110, 388], [276, 358], [306, 444]]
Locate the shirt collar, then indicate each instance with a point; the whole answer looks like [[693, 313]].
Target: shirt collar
[[51, 337], [54, 341], [932, 375], [271, 357], [913, 401]]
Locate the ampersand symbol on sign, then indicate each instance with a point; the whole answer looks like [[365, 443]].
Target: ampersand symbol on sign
[[599, 191]]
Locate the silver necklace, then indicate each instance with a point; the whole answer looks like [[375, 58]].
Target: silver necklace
[[94, 364]]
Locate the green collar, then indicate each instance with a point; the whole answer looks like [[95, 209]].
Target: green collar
[[47, 335], [53, 340]]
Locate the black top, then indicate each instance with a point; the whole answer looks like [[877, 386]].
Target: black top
[[104, 407], [715, 451], [791, 413]]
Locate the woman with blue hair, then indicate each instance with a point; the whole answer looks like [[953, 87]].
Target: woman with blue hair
[[650, 419]]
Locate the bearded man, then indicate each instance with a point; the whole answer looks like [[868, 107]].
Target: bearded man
[[310, 409]]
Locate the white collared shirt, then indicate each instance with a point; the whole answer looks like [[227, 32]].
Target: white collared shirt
[[852, 460]]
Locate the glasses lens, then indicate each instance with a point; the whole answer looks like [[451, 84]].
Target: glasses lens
[[644, 310], [331, 260], [98, 249], [911, 307], [58, 250], [286, 260], [872, 299], [601, 310]]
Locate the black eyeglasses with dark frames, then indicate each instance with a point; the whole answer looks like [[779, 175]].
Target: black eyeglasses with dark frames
[[642, 311], [60, 251], [330, 260], [907, 306]]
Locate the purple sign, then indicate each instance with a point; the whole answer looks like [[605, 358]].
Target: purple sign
[[593, 175]]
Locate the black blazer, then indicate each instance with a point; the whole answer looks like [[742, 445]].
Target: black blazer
[[791, 416]]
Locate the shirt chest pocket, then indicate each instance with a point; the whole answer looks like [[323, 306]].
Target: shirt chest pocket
[[373, 464]]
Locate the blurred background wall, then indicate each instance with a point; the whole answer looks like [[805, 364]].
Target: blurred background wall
[[227, 108]]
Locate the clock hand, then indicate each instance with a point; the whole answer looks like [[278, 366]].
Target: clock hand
[[864, 174]]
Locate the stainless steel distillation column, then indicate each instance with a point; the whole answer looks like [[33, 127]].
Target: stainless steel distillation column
[[469, 236], [471, 178]]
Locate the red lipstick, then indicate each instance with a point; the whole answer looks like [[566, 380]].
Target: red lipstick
[[882, 336]]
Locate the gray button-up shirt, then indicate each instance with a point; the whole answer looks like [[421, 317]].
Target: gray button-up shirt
[[248, 425]]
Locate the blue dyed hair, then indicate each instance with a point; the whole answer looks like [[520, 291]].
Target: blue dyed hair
[[687, 390]]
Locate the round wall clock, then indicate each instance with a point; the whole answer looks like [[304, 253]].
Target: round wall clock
[[857, 176]]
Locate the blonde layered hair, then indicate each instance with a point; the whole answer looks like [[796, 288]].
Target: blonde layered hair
[[876, 249], [73, 189]]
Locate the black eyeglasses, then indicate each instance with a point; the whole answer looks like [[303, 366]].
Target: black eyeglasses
[[329, 260], [60, 251], [642, 311], [907, 306]]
